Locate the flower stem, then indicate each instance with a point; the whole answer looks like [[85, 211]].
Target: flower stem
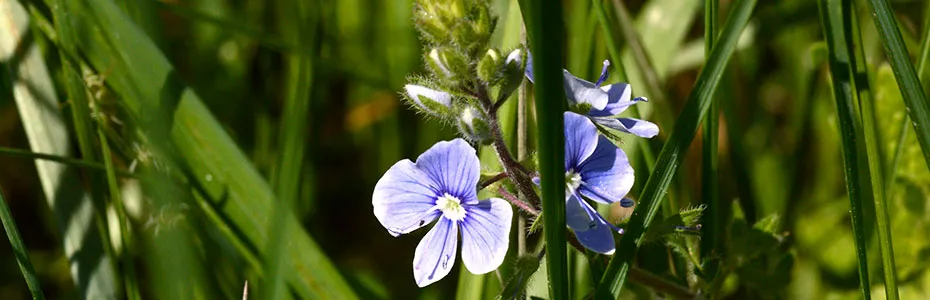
[[513, 169]]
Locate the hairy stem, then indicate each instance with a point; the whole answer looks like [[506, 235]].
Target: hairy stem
[[513, 168]]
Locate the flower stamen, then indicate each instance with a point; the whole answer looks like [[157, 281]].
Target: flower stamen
[[451, 207]]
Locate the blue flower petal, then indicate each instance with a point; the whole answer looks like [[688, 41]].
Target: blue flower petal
[[592, 231], [486, 235], [435, 254], [404, 197], [618, 99], [580, 139], [529, 67], [637, 127], [580, 91], [606, 175], [454, 167]]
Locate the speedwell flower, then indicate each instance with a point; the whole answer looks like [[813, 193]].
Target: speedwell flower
[[441, 185], [594, 168], [602, 103]]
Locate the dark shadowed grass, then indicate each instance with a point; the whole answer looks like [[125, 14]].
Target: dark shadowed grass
[[19, 249]]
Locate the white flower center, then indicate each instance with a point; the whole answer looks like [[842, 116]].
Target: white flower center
[[451, 207], [572, 181]]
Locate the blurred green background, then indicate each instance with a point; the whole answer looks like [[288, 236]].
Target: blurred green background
[[327, 75]]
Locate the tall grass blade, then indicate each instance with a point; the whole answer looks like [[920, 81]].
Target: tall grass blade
[[915, 98], [37, 102], [293, 131], [841, 72], [19, 250], [152, 94], [544, 26], [127, 265], [709, 163], [873, 148], [672, 154]]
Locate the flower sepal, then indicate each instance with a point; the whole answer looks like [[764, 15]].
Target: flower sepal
[[432, 102], [450, 66], [473, 125]]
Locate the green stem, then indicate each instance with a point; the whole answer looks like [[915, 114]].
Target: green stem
[[19, 250], [831, 15], [672, 154], [74, 162], [545, 26], [918, 107], [875, 156], [709, 162], [125, 257]]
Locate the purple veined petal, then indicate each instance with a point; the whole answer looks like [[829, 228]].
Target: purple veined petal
[[404, 198], [618, 100], [637, 127], [592, 231], [435, 254], [415, 92], [529, 67], [606, 176], [580, 139], [454, 167], [580, 91], [486, 235]]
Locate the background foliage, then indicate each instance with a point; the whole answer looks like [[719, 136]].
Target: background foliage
[[307, 91]]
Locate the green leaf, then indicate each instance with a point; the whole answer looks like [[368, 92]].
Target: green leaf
[[20, 251], [673, 153]]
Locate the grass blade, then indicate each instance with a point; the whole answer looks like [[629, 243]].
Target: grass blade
[[152, 93], [544, 27], [873, 149], [80, 230], [293, 131], [19, 249], [672, 154], [841, 60], [915, 98], [125, 257], [709, 163]]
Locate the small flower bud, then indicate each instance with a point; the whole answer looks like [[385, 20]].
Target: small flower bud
[[473, 125], [447, 65], [488, 67], [433, 102], [512, 72]]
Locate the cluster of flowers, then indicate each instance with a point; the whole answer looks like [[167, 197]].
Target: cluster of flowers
[[442, 183]]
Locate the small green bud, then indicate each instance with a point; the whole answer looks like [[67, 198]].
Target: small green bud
[[473, 125], [448, 65], [430, 101], [512, 73], [488, 67]]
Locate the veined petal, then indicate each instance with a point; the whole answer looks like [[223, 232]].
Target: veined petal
[[580, 139], [435, 254], [428, 99], [579, 91], [592, 231], [606, 175], [486, 235], [454, 167], [618, 99], [404, 197], [637, 127]]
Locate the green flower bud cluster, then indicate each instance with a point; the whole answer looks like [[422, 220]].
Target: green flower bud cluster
[[466, 76]]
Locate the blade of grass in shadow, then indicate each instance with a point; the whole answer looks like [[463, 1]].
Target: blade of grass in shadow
[[873, 148], [70, 161], [831, 16], [19, 250], [924, 54], [81, 232], [915, 98], [299, 27], [709, 164], [673, 152], [125, 256], [152, 93], [544, 27]]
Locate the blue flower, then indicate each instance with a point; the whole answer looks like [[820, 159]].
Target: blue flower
[[442, 185], [602, 103], [596, 169]]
